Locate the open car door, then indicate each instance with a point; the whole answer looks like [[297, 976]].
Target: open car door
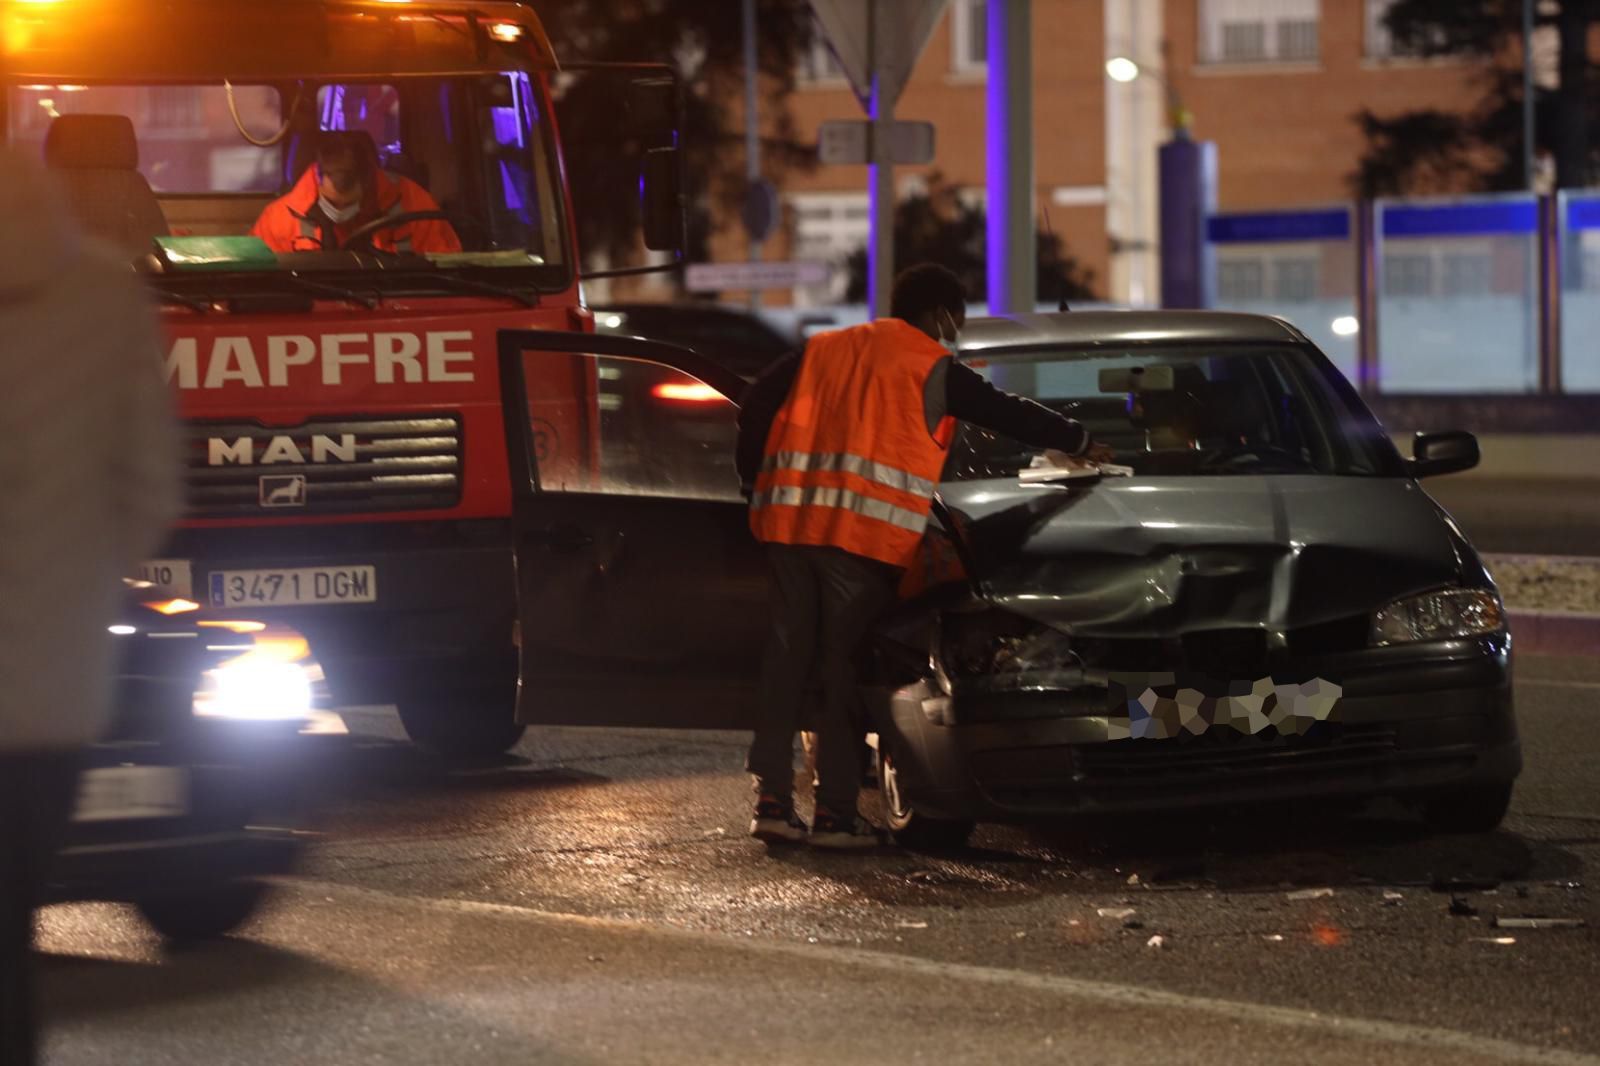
[[642, 595]]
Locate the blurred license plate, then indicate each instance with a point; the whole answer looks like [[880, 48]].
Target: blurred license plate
[[115, 793], [291, 588], [175, 577]]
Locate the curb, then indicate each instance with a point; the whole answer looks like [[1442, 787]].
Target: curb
[[1555, 633]]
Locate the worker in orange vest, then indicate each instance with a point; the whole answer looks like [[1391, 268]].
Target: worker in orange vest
[[841, 449], [344, 190]]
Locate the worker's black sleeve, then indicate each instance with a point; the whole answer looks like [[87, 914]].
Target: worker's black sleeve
[[758, 407], [972, 399]]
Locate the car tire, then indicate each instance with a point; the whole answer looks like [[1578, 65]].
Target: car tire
[[203, 915], [462, 728], [1478, 809], [910, 829]]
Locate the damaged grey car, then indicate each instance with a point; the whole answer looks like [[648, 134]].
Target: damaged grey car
[[1269, 609]]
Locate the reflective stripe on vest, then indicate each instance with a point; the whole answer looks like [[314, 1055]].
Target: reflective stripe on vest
[[843, 500], [846, 463], [310, 231]]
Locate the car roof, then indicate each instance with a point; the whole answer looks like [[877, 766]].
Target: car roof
[[1089, 329]]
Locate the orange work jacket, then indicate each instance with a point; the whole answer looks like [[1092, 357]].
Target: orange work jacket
[[850, 462], [286, 226]]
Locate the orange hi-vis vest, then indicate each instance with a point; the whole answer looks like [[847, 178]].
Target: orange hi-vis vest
[[850, 462]]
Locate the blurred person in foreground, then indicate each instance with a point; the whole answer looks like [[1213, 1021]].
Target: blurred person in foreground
[[89, 481], [840, 451]]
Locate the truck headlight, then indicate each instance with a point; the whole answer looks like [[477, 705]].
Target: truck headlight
[[273, 679], [1449, 614]]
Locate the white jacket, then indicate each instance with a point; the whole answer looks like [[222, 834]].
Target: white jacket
[[89, 472]]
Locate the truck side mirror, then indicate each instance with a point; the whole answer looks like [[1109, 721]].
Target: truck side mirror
[[661, 201]]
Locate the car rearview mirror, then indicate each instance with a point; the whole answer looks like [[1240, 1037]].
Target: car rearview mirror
[[661, 201], [1136, 379], [1443, 453]]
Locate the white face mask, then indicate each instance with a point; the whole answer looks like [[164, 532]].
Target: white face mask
[[953, 341], [339, 215]]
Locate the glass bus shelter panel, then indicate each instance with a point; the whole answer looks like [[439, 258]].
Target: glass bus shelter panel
[[1458, 305], [1580, 292], [1297, 265]]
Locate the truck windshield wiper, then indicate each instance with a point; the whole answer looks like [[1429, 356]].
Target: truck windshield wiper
[[193, 303], [526, 297], [338, 292]]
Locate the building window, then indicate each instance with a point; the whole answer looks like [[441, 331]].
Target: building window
[[818, 64], [828, 228], [1294, 280], [969, 37], [1241, 280], [1467, 274], [1257, 31], [1408, 275]]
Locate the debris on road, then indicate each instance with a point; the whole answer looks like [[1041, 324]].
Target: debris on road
[[1133, 879], [1538, 923], [1133, 923], [1156, 941], [1391, 897], [1311, 893], [1276, 938], [910, 925], [1465, 884], [1460, 908], [1494, 940], [1116, 912]]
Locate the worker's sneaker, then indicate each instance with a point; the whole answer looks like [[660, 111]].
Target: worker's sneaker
[[775, 821], [844, 834]]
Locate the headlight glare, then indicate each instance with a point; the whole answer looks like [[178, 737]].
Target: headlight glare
[[1449, 614], [274, 680]]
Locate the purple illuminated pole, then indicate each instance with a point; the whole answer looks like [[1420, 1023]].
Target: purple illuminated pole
[[1013, 257]]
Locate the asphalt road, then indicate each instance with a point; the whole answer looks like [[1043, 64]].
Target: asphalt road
[[1554, 516], [595, 900]]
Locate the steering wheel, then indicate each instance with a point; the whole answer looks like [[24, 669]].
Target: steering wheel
[[362, 236]]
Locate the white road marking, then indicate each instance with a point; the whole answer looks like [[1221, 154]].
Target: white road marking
[[1133, 996]]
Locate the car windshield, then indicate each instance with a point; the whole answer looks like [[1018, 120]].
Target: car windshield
[[215, 158], [1187, 411]]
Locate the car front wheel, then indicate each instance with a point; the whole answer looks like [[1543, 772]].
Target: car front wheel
[[1478, 809], [205, 914], [910, 829]]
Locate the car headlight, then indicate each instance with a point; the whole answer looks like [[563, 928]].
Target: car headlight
[[1007, 652], [274, 679], [1449, 614]]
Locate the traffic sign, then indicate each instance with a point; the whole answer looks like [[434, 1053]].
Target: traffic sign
[[845, 141], [715, 277], [902, 28]]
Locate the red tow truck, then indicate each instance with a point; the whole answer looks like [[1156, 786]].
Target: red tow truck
[[345, 408]]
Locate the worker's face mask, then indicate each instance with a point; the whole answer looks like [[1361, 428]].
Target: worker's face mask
[[943, 319], [339, 215]]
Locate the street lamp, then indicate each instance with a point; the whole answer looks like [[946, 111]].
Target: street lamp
[[1124, 70]]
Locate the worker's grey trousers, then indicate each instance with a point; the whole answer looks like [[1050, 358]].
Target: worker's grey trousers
[[824, 601]]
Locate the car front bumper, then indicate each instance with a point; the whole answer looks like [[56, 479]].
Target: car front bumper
[[1410, 721]]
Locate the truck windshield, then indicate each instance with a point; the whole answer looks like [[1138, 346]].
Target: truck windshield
[[239, 178]]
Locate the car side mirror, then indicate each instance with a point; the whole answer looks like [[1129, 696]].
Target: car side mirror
[[661, 205], [1442, 453]]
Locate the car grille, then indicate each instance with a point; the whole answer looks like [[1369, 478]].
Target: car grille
[[1222, 755], [331, 466]]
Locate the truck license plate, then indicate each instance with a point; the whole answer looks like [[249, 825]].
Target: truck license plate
[[117, 793], [294, 588]]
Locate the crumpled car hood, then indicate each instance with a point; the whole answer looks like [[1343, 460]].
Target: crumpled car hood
[[1163, 556]]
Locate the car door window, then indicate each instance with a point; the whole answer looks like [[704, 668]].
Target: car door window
[[626, 427]]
